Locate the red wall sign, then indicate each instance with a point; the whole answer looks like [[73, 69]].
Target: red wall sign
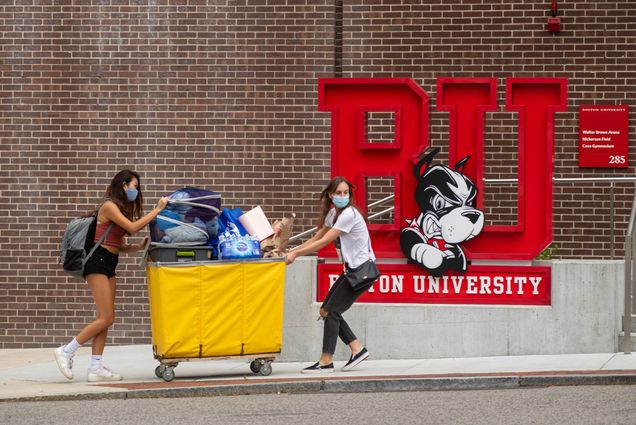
[[534, 100], [467, 100], [407, 283], [603, 138]]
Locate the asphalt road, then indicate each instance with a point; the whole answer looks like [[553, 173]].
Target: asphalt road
[[578, 405]]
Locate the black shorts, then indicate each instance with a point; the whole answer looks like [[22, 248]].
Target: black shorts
[[101, 262]]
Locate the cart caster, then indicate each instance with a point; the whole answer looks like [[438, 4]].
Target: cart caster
[[168, 374], [159, 371], [255, 366], [266, 369]]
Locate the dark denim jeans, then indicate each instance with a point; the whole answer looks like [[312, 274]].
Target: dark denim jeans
[[339, 299]]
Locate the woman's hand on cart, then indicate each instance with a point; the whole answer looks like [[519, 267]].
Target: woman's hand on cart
[[290, 256], [163, 202], [142, 245]]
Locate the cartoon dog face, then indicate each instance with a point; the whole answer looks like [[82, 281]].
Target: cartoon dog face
[[446, 199]]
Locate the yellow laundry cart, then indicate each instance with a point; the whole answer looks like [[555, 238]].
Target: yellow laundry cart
[[205, 310]]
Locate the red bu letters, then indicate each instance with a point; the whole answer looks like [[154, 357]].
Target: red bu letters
[[466, 99], [534, 100]]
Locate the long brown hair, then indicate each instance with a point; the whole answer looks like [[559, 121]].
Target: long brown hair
[[326, 202], [116, 193]]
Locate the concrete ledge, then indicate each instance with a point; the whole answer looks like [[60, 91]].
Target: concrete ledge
[[584, 317]]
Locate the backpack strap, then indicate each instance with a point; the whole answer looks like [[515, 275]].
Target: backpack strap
[[102, 238], [98, 243]]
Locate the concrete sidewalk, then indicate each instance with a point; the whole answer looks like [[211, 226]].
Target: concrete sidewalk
[[31, 374]]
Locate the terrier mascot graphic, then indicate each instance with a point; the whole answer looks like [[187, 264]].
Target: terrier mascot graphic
[[446, 199]]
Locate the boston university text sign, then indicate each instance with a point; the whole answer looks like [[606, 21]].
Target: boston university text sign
[[603, 140], [535, 100], [405, 283]]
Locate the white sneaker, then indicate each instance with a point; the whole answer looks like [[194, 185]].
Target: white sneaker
[[103, 374], [64, 361]]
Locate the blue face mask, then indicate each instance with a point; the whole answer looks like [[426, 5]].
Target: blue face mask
[[340, 201], [132, 194]]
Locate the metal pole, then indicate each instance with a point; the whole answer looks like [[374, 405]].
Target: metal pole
[[627, 314], [300, 235], [631, 296], [381, 201], [630, 242], [612, 230], [381, 213], [568, 180], [508, 181]]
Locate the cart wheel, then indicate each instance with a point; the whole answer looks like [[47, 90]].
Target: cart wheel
[[255, 366], [266, 369], [168, 374], [159, 370]]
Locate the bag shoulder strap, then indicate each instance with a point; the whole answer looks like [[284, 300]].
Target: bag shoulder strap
[[339, 248], [102, 238]]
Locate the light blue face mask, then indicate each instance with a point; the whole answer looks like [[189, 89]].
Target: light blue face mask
[[340, 201], [131, 194]]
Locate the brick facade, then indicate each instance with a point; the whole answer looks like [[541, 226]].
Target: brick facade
[[223, 95]]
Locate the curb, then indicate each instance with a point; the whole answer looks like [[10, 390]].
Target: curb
[[349, 386], [556, 380]]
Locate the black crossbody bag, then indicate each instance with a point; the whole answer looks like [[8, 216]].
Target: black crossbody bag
[[363, 275]]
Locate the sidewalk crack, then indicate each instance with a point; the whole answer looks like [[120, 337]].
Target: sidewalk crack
[[608, 360]]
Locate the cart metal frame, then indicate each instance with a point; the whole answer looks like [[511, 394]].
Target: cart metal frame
[[260, 364]]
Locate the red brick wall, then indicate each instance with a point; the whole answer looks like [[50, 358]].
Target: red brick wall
[[223, 95], [220, 95], [461, 38]]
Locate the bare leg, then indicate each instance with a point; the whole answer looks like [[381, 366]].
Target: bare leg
[[325, 358], [355, 347], [104, 295], [99, 340]]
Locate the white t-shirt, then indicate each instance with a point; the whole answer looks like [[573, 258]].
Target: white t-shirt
[[355, 242]]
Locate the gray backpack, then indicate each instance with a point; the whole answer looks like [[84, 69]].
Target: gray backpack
[[77, 244]]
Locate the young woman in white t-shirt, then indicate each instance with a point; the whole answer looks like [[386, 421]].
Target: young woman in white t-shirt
[[339, 218]]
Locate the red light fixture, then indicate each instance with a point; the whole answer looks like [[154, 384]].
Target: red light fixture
[[554, 22]]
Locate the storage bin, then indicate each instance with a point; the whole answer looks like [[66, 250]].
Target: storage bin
[[160, 254], [214, 309]]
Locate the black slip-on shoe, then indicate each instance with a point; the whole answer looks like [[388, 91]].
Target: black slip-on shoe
[[318, 368], [355, 360]]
